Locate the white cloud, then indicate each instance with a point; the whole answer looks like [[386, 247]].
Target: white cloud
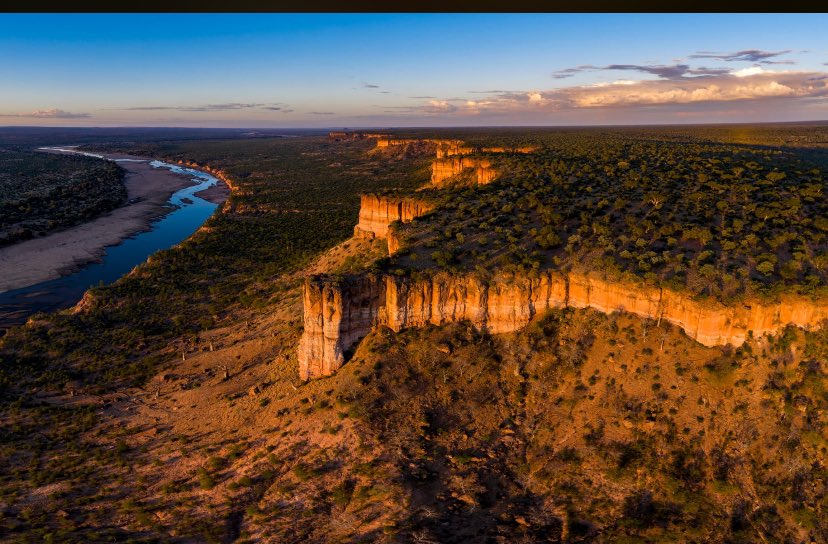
[[752, 84], [53, 113], [752, 71], [439, 106]]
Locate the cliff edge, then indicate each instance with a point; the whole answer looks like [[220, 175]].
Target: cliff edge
[[341, 311]]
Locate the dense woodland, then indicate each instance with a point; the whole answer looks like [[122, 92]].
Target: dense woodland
[[41, 192], [582, 428], [719, 220]]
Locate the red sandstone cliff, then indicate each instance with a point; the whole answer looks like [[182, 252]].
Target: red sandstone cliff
[[442, 169], [338, 313], [377, 212], [449, 148], [340, 135], [383, 143]]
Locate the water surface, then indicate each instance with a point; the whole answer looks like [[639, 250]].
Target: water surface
[[188, 213]]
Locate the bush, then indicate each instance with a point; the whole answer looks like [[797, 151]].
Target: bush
[[205, 480]]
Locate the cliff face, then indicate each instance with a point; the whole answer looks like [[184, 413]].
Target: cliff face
[[446, 148], [339, 313], [394, 241], [377, 212], [340, 135], [442, 145], [383, 143], [442, 169], [449, 148]]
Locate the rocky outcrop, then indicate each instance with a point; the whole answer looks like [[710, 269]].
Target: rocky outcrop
[[377, 212], [448, 148], [383, 143], [341, 135], [523, 150], [442, 169], [220, 174], [339, 312], [394, 240]]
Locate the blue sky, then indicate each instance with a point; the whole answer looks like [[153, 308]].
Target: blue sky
[[293, 70]]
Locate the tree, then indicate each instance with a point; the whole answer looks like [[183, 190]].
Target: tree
[[765, 267]]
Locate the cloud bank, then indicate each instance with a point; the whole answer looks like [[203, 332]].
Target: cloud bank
[[228, 106], [53, 113], [677, 85], [674, 71], [746, 55]]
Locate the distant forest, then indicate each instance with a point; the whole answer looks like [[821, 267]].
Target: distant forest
[[41, 192]]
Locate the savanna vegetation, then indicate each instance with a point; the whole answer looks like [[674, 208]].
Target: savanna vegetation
[[168, 408], [588, 428], [41, 192], [713, 219], [296, 197]]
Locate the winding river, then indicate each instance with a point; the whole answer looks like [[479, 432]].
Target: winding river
[[188, 214]]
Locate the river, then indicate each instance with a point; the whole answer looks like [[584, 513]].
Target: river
[[188, 213]]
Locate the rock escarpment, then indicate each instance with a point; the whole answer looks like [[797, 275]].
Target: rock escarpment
[[394, 240], [339, 312], [448, 148], [383, 143], [455, 157], [220, 174], [342, 135], [377, 212], [442, 169]]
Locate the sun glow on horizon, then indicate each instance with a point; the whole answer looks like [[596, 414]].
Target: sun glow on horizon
[[540, 69]]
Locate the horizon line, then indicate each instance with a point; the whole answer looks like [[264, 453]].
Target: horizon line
[[403, 127]]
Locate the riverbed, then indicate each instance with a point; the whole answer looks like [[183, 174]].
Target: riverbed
[[54, 271]]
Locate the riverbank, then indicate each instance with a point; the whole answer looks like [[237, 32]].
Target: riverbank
[[216, 194], [52, 256]]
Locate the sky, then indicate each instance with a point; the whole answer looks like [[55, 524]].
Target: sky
[[407, 70]]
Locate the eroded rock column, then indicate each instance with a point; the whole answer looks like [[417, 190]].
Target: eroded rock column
[[338, 312]]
